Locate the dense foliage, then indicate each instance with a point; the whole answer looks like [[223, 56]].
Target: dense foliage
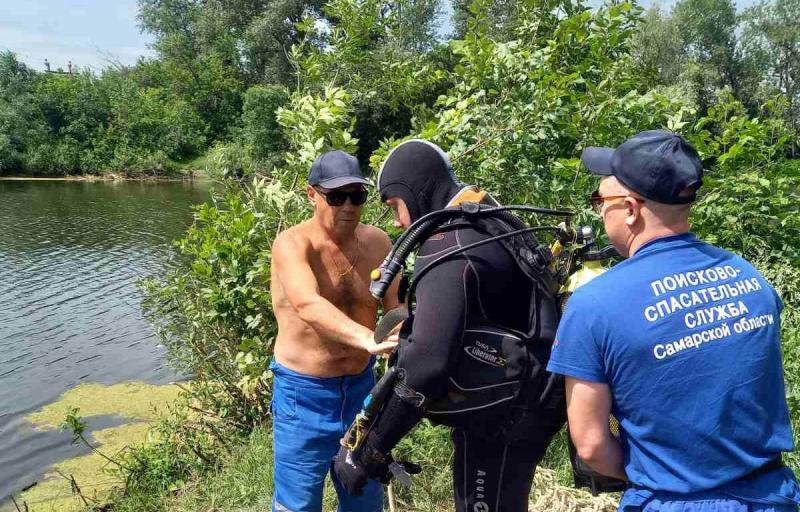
[[513, 99], [221, 72]]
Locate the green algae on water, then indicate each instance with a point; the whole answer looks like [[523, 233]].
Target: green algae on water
[[140, 402], [134, 400]]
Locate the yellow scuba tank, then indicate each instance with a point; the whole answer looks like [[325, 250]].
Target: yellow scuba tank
[[588, 271]]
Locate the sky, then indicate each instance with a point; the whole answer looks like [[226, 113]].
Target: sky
[[90, 33], [94, 33]]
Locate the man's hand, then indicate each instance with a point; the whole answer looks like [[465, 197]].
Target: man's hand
[[395, 332], [387, 331], [384, 347]]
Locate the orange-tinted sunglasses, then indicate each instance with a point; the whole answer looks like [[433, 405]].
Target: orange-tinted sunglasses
[[596, 200]]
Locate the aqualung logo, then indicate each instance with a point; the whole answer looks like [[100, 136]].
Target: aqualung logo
[[485, 354]]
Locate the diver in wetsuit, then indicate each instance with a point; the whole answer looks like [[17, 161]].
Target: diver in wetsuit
[[460, 304]]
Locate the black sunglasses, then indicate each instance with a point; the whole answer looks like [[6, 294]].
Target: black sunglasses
[[338, 197]]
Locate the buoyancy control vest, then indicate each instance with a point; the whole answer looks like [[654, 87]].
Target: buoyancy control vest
[[498, 384]]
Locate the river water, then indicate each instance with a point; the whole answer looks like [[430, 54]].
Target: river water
[[71, 253]]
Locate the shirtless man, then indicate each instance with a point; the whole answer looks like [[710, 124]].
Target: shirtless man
[[325, 347]]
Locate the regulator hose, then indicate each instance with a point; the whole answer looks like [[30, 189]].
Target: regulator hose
[[421, 229], [525, 231]]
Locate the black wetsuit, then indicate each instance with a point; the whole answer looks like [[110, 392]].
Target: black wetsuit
[[493, 470]]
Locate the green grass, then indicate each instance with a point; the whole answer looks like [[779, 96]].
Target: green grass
[[243, 480], [241, 483]]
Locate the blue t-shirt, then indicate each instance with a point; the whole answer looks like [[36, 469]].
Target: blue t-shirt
[[687, 336]]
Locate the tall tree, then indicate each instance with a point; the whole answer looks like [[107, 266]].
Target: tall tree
[[501, 19], [415, 22], [708, 29], [18, 119], [394, 75], [772, 36], [253, 36], [657, 48], [213, 50]]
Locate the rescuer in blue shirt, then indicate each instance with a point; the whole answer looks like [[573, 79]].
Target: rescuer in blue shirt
[[681, 342]]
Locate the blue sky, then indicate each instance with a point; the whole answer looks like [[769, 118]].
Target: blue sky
[[88, 32], [91, 33]]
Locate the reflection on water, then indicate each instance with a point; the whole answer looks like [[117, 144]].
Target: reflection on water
[[70, 255]]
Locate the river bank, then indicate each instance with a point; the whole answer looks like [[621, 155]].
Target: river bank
[[194, 175], [191, 169]]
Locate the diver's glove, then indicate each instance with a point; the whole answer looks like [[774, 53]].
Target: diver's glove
[[353, 471]]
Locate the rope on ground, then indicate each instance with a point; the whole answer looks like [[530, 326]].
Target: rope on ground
[[391, 497], [549, 496]]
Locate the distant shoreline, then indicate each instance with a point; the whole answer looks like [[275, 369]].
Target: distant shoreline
[[193, 176]]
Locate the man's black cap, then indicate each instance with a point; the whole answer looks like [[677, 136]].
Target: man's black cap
[[334, 169], [658, 164]]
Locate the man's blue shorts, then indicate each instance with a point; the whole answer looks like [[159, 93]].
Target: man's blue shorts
[[310, 416]]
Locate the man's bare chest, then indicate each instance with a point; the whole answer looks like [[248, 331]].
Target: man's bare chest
[[347, 288]]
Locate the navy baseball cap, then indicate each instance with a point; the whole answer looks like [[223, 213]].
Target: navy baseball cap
[[334, 169], [658, 164]]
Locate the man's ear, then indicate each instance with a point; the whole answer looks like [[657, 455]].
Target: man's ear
[[634, 212], [311, 193]]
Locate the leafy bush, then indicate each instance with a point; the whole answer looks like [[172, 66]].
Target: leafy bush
[[213, 308], [315, 124], [61, 157], [751, 198], [520, 111], [140, 162], [731, 140], [753, 212], [151, 120], [231, 160]]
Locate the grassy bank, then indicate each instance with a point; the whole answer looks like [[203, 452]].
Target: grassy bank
[[243, 482], [190, 168]]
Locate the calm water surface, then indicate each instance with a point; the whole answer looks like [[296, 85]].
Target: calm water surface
[[70, 256]]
